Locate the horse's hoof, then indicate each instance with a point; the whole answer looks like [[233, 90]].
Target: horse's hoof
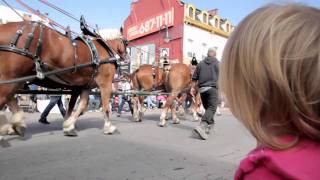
[[176, 121], [181, 112], [137, 120], [70, 133], [20, 130], [143, 109], [141, 114], [162, 123], [196, 118], [11, 131], [110, 129]]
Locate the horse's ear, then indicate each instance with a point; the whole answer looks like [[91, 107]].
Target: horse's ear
[[121, 30]]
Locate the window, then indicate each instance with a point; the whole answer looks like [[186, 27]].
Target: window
[[190, 54], [216, 22], [204, 44], [190, 41], [211, 21], [191, 12], [198, 15], [205, 18], [228, 27]]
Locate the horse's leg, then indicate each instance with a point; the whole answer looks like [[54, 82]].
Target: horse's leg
[[175, 119], [17, 119], [141, 108], [195, 112], [194, 108], [135, 103], [69, 124], [181, 103], [5, 126], [105, 96], [168, 105], [7, 98], [71, 104]]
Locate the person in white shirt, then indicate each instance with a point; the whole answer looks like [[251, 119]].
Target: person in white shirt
[[125, 87]]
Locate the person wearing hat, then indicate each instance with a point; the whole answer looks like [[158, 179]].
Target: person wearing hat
[[206, 78]]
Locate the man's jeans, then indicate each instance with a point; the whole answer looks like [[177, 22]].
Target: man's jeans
[[53, 101], [209, 100], [124, 100]]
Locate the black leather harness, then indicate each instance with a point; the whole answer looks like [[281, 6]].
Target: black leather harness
[[25, 50], [40, 66]]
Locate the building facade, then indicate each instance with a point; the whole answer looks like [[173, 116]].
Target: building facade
[[173, 29]]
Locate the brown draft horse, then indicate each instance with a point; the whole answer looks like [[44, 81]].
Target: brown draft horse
[[58, 52], [175, 80]]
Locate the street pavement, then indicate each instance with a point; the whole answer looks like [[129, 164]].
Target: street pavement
[[140, 151]]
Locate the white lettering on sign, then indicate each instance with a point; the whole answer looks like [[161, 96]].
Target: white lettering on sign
[[151, 24]]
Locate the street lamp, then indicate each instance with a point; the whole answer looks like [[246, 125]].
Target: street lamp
[[166, 37]]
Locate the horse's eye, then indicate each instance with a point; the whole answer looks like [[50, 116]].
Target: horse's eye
[[126, 42]]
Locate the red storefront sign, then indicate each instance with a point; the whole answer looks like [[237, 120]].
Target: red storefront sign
[[151, 25]]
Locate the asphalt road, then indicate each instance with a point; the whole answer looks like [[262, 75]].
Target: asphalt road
[[139, 151]]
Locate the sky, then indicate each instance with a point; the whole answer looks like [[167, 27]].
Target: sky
[[112, 13]]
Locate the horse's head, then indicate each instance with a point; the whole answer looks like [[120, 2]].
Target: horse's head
[[116, 41]]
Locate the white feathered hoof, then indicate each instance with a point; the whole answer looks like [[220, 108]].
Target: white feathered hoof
[[70, 133], [109, 129], [11, 131], [196, 118], [141, 114], [69, 130], [143, 109], [135, 118], [162, 123], [176, 121], [181, 111], [20, 129]]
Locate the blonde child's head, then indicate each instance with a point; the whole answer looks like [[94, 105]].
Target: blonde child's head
[[270, 73]]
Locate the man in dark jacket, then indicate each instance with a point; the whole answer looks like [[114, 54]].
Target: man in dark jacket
[[206, 77]]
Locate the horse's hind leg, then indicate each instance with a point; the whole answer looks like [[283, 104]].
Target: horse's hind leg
[[135, 104], [141, 108], [71, 105], [5, 126], [69, 124], [181, 103], [105, 96], [175, 119], [169, 105], [17, 119]]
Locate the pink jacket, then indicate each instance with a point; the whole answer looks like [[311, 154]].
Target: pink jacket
[[301, 162]]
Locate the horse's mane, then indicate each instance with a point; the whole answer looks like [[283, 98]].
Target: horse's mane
[[110, 34]]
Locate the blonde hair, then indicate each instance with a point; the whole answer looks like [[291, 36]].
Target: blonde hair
[[270, 73]]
